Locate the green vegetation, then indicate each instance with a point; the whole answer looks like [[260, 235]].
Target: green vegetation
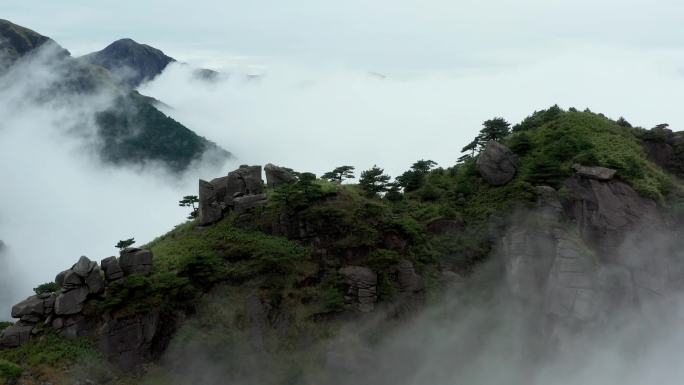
[[286, 256], [550, 142], [493, 129], [49, 287], [46, 351], [374, 181], [190, 201], [414, 178], [9, 372], [124, 243], [339, 174]]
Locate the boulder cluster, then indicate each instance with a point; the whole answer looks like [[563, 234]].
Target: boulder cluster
[[239, 191], [63, 309]]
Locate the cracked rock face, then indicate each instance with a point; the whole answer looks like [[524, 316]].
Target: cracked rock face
[[220, 194], [277, 176], [497, 164], [363, 284], [589, 275], [136, 261]]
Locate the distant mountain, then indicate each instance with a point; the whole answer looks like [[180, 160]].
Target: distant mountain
[[132, 130], [130, 62]]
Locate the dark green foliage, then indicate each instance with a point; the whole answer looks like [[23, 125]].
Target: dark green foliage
[[520, 143], [134, 131], [538, 118], [300, 195], [339, 174], [623, 122], [4, 325], [125, 243], [49, 287], [190, 201], [374, 181], [560, 139], [393, 193], [414, 178], [492, 129]]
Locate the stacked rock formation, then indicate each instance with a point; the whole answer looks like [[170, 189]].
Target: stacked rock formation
[[63, 310], [241, 190]]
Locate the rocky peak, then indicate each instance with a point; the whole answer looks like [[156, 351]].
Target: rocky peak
[[130, 62]]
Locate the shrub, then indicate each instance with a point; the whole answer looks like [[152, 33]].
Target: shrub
[[49, 287]]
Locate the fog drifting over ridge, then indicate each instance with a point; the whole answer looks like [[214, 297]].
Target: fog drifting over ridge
[[60, 200]]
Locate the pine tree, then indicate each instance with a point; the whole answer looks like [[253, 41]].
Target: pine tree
[[190, 201], [125, 243], [374, 181], [339, 174]]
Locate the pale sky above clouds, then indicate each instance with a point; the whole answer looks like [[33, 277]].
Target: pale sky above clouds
[[373, 35]]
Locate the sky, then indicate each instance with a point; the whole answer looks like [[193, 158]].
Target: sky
[[355, 82]]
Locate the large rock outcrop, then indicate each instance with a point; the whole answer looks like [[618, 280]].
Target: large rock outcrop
[[128, 340], [594, 172], [362, 285], [135, 261], [605, 212], [497, 164], [593, 273], [277, 176], [242, 188]]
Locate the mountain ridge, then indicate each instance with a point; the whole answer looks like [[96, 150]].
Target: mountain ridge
[[132, 131], [566, 210]]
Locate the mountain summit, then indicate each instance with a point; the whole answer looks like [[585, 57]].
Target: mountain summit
[[130, 62]]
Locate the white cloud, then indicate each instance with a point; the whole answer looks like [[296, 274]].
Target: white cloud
[[313, 118]]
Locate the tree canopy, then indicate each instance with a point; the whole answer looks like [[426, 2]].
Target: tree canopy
[[374, 181], [125, 243], [339, 174], [190, 201], [414, 178], [493, 129]]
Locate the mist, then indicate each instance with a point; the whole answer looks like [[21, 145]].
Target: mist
[[59, 200], [315, 118], [477, 332]]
